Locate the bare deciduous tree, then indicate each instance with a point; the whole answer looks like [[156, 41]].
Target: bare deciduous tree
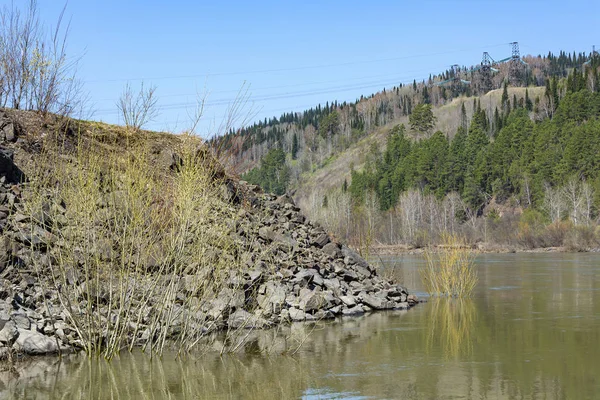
[[554, 203], [452, 204], [238, 113], [572, 194], [587, 194], [410, 203], [35, 72], [197, 113], [138, 108]]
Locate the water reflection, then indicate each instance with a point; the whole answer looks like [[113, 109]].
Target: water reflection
[[137, 376], [450, 326], [534, 336], [249, 374]]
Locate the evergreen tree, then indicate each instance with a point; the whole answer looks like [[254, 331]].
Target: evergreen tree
[[273, 174], [528, 102], [425, 93], [457, 161], [422, 119], [328, 124], [463, 117], [294, 146], [497, 121], [504, 100], [431, 164]]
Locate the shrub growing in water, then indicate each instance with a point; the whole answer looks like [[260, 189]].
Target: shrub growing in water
[[450, 270]]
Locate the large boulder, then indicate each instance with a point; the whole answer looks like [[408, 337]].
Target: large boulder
[[352, 257], [9, 132], [310, 300], [34, 343], [376, 302], [5, 254], [8, 169], [332, 250], [272, 297], [8, 332], [168, 160], [243, 319], [321, 240]]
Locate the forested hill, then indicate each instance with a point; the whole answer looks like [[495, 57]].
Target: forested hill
[[516, 181], [515, 158], [530, 143], [310, 137]]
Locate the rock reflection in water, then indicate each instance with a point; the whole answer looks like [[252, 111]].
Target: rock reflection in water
[[273, 364], [137, 376]]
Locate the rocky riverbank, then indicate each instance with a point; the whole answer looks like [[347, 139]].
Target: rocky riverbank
[[294, 272]]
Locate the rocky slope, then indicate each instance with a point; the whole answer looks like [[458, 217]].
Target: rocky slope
[[296, 272]]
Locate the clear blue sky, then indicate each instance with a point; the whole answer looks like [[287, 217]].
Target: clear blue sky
[[294, 55]]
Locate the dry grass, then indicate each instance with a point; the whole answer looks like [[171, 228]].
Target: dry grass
[[448, 115], [450, 270], [128, 238]]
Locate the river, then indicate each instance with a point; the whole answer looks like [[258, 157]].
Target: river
[[531, 331]]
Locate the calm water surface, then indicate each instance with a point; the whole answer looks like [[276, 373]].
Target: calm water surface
[[532, 331]]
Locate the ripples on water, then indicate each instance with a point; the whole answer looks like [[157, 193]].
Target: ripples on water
[[532, 331]]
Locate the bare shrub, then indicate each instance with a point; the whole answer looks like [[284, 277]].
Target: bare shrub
[[138, 108], [530, 229], [239, 113], [555, 233], [580, 238]]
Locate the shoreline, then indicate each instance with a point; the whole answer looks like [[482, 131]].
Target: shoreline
[[283, 330], [401, 249]]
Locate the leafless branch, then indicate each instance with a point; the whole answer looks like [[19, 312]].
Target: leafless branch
[[138, 108], [35, 71]]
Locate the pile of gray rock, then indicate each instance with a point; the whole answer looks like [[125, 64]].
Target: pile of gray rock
[[295, 272], [21, 323], [312, 277], [9, 172]]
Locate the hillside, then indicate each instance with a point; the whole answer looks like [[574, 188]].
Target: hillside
[[337, 168], [327, 129], [338, 162]]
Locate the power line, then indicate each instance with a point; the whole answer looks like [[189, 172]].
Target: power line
[[208, 74], [279, 96], [286, 86], [273, 110], [299, 108]]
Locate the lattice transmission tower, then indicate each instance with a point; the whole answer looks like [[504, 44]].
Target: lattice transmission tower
[[515, 66]]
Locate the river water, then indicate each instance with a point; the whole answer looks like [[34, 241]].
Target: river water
[[531, 331]]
